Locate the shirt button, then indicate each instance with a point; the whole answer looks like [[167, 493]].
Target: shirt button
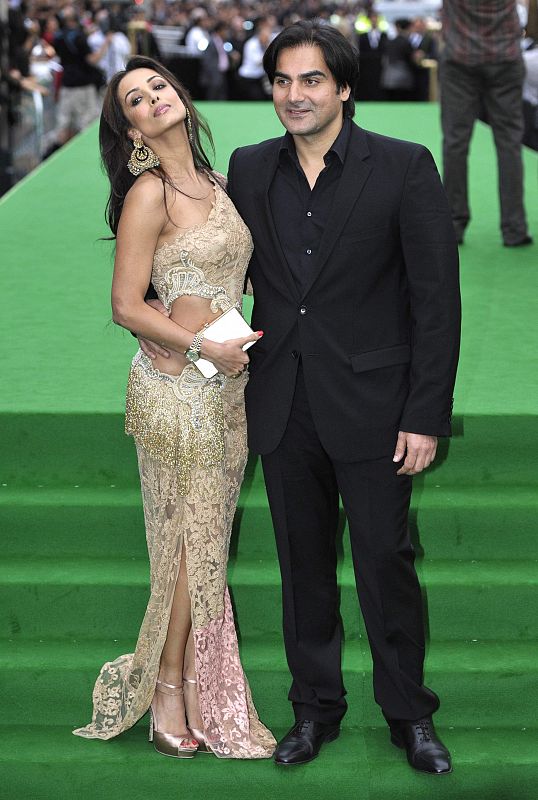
[[308, 213], [309, 252], [302, 310]]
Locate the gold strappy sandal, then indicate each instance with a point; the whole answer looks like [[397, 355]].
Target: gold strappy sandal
[[203, 744], [169, 744]]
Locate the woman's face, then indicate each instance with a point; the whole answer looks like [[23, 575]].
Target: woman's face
[[150, 103]]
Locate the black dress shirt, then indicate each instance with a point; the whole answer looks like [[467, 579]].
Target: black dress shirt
[[300, 214]]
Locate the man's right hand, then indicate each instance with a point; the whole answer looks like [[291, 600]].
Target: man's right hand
[[148, 347]]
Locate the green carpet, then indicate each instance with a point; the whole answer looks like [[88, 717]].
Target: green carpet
[[74, 573]]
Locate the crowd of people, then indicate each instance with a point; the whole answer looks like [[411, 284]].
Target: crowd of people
[[68, 51]]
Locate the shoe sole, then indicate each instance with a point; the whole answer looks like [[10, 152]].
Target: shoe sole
[[398, 742], [330, 738]]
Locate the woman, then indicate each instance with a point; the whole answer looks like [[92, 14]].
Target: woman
[[176, 227]]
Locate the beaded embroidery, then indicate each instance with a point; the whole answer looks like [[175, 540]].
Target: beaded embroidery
[[182, 425], [189, 280]]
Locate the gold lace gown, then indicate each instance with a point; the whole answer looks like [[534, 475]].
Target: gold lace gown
[[190, 435]]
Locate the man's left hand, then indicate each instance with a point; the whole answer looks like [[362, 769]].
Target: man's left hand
[[419, 451], [148, 347]]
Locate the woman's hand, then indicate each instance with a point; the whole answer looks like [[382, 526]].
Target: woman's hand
[[229, 357]]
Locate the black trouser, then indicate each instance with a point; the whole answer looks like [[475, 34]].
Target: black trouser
[[497, 88], [303, 485]]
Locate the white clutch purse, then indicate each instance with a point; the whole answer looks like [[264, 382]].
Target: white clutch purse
[[229, 325]]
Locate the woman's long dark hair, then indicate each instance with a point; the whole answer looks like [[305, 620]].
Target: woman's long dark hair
[[116, 147]]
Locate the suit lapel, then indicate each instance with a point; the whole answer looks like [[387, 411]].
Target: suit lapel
[[269, 169], [352, 181]]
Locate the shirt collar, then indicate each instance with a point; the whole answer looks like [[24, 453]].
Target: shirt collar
[[338, 147]]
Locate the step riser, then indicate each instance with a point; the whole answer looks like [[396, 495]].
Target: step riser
[[473, 782], [364, 764], [450, 533], [64, 695], [455, 612], [92, 450]]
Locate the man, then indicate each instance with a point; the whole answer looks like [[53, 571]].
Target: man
[[78, 105], [425, 48], [482, 67], [372, 45], [251, 75], [355, 278], [422, 39], [215, 64], [197, 37], [119, 46]]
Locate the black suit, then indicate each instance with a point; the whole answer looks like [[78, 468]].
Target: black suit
[[368, 347], [370, 67]]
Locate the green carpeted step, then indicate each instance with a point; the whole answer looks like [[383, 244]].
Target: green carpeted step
[[75, 562], [446, 523], [479, 683], [104, 597], [499, 763], [54, 450]]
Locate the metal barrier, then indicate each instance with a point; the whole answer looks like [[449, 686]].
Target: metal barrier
[[32, 133]]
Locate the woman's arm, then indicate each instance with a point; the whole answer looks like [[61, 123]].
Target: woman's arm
[[142, 220]]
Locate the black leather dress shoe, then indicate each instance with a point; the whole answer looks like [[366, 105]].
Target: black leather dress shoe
[[520, 242], [303, 742], [424, 749]]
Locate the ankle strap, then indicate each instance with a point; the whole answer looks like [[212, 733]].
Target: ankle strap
[[168, 688]]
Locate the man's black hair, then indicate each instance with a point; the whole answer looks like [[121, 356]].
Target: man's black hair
[[340, 56]]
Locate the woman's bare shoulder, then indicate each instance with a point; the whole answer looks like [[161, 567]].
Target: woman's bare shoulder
[[147, 193], [144, 209]]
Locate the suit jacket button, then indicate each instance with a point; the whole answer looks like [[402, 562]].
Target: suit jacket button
[[294, 354], [302, 310]]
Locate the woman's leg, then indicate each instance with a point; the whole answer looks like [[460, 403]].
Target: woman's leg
[[192, 705], [170, 709]]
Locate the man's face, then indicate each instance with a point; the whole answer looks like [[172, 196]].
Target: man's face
[[419, 26], [305, 95]]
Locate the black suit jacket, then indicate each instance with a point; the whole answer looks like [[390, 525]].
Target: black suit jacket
[[377, 327], [370, 66]]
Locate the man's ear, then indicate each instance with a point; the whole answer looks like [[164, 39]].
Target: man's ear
[[345, 91]]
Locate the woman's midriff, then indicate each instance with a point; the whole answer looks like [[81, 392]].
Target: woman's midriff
[[192, 313]]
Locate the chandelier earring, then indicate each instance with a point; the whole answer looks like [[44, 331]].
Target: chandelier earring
[[188, 125], [142, 158]]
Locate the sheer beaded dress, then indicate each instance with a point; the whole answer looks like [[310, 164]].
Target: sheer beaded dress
[[190, 435]]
